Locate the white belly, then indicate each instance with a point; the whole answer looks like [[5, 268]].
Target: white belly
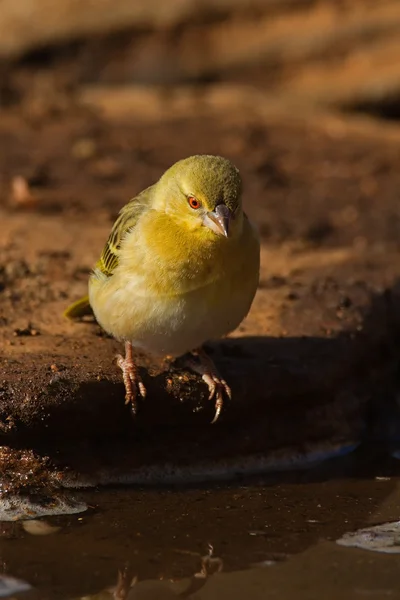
[[177, 324]]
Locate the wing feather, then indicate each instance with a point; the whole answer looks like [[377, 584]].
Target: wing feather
[[126, 221]]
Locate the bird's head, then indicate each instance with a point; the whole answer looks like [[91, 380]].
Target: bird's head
[[202, 192]]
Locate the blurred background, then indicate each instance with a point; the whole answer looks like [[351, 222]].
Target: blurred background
[[298, 54], [119, 89]]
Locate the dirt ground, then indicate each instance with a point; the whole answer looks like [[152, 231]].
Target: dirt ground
[[314, 367]]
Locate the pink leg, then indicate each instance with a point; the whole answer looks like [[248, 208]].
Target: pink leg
[[216, 385], [130, 374]]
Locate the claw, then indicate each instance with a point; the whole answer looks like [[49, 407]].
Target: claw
[[216, 385], [218, 407]]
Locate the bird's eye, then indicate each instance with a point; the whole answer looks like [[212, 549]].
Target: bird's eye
[[194, 203]]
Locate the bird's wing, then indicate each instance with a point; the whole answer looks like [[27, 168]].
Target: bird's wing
[[126, 221]]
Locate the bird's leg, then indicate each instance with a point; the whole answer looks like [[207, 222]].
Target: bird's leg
[[125, 583], [216, 385], [130, 374]]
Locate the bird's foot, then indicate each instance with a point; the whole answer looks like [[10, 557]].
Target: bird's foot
[[125, 583], [132, 380], [209, 373]]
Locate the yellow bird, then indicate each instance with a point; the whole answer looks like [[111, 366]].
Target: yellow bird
[[180, 267]]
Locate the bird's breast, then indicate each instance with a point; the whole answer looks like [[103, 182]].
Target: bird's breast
[[172, 260], [171, 297]]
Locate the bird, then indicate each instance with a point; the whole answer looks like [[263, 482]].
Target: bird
[[180, 268]]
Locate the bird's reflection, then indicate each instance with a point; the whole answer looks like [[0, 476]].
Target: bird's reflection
[[129, 587]]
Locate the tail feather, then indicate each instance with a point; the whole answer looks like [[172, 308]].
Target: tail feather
[[78, 309]]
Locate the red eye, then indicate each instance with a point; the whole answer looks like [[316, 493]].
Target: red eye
[[194, 203]]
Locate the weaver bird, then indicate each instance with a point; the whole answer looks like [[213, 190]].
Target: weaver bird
[[180, 267]]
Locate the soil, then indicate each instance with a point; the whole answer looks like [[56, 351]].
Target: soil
[[314, 367]]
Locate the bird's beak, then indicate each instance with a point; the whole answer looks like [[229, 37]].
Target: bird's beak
[[218, 220]]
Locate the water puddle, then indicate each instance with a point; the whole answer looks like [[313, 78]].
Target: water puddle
[[264, 537]]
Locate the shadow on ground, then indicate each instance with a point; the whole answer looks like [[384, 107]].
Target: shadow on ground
[[295, 401]]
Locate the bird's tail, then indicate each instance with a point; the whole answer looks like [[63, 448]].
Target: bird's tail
[[78, 309]]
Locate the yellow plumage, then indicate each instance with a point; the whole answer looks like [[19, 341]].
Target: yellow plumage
[[180, 267], [79, 309]]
